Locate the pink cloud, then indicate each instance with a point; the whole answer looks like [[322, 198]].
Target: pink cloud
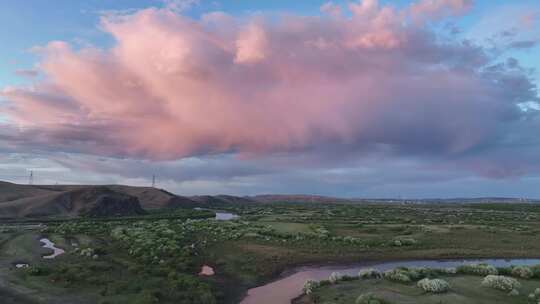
[[251, 45], [172, 87], [28, 73], [435, 9]]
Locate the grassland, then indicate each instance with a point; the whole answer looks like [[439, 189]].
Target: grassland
[[156, 258], [464, 290]]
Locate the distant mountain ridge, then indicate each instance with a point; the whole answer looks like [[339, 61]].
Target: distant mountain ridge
[[29, 201]]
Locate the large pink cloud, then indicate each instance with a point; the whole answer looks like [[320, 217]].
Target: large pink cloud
[[359, 78]]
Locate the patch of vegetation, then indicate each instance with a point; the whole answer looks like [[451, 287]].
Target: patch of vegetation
[[157, 256]]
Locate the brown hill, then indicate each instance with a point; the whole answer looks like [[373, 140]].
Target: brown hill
[[75, 200], [298, 198], [217, 200], [87, 201], [11, 192]]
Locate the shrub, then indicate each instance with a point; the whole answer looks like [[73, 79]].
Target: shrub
[[449, 270], [408, 241], [404, 242], [536, 271], [335, 277], [370, 274], [507, 271], [501, 282], [310, 286], [514, 293], [369, 298], [477, 269], [37, 271], [434, 286], [398, 275], [534, 297], [522, 272]]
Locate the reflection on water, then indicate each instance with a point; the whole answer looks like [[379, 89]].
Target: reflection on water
[[289, 287], [207, 271], [225, 216], [221, 216], [50, 245]]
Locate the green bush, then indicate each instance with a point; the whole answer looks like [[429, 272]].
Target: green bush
[[536, 271], [523, 272], [477, 269], [534, 297], [370, 298], [37, 271], [370, 274]]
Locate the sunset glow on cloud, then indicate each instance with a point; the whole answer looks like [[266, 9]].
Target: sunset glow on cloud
[[359, 79]]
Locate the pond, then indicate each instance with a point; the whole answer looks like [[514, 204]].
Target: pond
[[289, 286], [225, 216], [221, 215], [50, 245], [207, 271]]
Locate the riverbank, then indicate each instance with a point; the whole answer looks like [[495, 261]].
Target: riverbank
[[289, 284], [465, 284]]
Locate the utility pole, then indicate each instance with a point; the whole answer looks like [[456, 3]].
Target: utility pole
[[153, 181], [31, 178]]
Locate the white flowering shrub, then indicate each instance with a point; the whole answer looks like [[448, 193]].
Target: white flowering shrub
[[397, 275], [335, 277], [370, 274], [501, 283], [310, 286], [477, 269], [404, 242], [523, 272], [87, 252], [433, 286]]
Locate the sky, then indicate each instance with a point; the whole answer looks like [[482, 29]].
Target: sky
[[363, 98]]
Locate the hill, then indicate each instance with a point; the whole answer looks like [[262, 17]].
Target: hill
[[81, 201], [30, 201], [299, 198]]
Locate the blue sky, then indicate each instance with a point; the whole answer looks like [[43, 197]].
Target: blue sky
[[27, 24], [470, 144]]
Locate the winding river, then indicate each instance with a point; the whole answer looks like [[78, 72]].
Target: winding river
[[289, 286]]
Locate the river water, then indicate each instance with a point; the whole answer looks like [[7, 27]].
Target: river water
[[225, 216], [50, 245], [289, 286]]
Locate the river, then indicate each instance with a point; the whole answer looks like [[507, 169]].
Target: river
[[289, 286], [50, 245]]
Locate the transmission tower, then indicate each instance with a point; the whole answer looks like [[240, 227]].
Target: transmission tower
[[31, 178], [153, 181]]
